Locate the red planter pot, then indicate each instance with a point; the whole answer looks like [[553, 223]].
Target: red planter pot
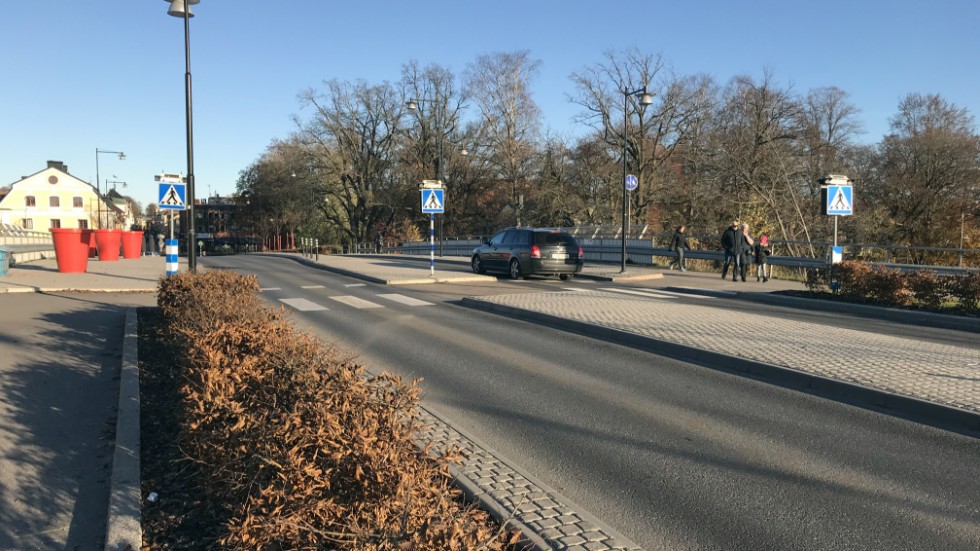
[[92, 250], [108, 241], [132, 244], [71, 249]]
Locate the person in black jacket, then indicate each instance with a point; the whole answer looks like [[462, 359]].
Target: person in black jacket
[[728, 241], [678, 244], [762, 252]]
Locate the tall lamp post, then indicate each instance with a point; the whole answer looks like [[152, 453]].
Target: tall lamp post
[[645, 99], [182, 9], [412, 105], [98, 182]]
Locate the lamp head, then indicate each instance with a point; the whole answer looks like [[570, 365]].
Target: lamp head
[[646, 99], [412, 105], [122, 156], [177, 7]]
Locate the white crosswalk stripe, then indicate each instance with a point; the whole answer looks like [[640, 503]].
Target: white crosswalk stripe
[[408, 301], [302, 304], [356, 302], [648, 294], [656, 293], [311, 287]]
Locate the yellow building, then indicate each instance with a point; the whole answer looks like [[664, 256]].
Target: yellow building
[[52, 198]]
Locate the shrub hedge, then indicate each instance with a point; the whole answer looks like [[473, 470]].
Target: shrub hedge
[[861, 282], [301, 448]]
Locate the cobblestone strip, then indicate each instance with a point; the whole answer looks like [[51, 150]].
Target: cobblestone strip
[[938, 373], [547, 520]]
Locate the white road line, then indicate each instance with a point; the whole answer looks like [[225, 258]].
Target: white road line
[[575, 289], [302, 304], [402, 299], [355, 302], [311, 286], [264, 289], [355, 284], [648, 294]]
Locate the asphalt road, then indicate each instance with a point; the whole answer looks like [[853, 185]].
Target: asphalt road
[[671, 454]]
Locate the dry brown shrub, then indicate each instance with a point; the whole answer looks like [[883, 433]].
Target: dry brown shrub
[[966, 289], [302, 449], [855, 279]]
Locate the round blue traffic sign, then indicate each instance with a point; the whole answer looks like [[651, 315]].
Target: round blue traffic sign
[[631, 182]]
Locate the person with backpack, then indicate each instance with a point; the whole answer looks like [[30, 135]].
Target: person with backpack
[[678, 244]]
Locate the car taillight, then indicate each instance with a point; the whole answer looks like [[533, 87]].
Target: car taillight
[[581, 254], [535, 251]]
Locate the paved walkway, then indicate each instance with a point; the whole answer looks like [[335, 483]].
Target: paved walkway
[[931, 381]]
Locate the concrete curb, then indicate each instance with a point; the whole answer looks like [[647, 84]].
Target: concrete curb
[[894, 315], [124, 531], [906, 407]]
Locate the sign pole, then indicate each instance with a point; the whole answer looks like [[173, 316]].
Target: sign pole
[[432, 244]]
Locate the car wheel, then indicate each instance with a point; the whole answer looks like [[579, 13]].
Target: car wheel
[[515, 269], [477, 265], [563, 277]]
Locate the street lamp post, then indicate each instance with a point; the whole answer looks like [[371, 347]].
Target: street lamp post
[[645, 99], [98, 183], [182, 9], [412, 105]]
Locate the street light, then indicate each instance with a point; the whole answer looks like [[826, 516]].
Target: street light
[[413, 104], [645, 99], [182, 9], [98, 183]]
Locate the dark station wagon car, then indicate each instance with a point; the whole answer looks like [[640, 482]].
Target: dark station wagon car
[[522, 252]]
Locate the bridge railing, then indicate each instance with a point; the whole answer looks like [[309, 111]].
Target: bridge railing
[[604, 244]]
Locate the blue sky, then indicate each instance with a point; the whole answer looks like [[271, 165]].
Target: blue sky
[[79, 75]]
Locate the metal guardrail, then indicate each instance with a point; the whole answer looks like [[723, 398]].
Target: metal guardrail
[[640, 251]]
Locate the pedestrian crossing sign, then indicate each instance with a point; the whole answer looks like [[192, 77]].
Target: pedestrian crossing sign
[[172, 196], [838, 200], [433, 200]]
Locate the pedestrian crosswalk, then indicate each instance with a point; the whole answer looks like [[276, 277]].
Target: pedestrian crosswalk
[[351, 301], [309, 304]]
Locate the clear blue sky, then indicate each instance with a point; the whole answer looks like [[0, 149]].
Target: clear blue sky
[[78, 75]]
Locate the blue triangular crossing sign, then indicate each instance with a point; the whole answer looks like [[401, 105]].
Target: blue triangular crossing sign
[[433, 200]]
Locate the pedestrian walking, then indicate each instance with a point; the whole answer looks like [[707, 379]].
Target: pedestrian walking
[[743, 250], [762, 252], [678, 244], [728, 242]]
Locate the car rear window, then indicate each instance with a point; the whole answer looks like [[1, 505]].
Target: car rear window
[[554, 238]]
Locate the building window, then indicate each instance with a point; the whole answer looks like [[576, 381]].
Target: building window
[[54, 201], [30, 201], [77, 202], [83, 223], [55, 223], [27, 223]]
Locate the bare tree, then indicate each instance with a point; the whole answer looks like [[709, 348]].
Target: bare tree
[[927, 171], [606, 92], [500, 86], [354, 131]]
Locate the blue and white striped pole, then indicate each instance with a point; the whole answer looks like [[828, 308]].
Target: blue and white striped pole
[[171, 257], [432, 245]]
